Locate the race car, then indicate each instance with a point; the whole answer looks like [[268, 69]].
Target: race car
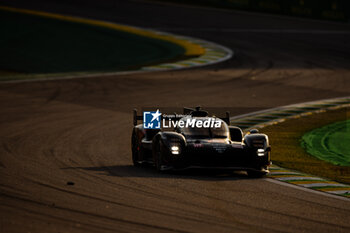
[[218, 145]]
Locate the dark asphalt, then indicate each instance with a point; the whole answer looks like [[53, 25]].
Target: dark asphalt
[[79, 130]]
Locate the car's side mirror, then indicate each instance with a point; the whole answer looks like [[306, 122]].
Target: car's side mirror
[[252, 131]]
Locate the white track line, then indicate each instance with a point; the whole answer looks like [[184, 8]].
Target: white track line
[[307, 189], [322, 185], [298, 178], [284, 31]]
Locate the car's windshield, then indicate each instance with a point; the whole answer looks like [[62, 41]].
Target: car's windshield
[[203, 132], [221, 132]]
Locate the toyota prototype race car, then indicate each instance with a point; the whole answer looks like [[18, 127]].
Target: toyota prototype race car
[[199, 147]]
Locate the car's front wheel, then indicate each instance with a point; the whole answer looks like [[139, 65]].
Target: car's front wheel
[[135, 148], [158, 156]]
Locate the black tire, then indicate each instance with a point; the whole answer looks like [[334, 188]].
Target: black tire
[[158, 156], [135, 150]]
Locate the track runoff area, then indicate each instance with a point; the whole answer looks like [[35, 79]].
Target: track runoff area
[[330, 143], [107, 49], [275, 116]]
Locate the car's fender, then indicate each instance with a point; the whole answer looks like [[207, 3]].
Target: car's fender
[[168, 140], [257, 146], [257, 140]]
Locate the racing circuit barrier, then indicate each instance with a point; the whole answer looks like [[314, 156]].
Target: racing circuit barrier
[[338, 10]]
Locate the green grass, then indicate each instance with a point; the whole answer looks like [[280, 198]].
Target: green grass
[[330, 143], [38, 45], [286, 137]]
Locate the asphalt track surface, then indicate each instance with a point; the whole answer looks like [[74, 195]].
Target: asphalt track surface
[[79, 130]]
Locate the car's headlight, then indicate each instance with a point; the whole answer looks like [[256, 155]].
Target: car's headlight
[[260, 152], [175, 150]]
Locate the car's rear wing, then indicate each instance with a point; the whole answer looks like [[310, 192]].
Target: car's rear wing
[[226, 118], [136, 117], [186, 111]]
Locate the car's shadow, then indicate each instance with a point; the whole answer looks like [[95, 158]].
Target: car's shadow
[[148, 171]]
